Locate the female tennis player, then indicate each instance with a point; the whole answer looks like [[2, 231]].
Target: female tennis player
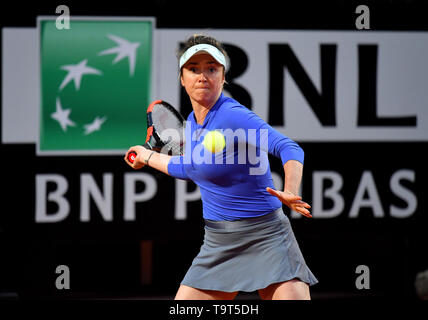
[[249, 244]]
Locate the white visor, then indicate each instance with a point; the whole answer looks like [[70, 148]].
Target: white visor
[[200, 48]]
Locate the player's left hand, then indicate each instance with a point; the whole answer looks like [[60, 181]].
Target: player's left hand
[[294, 202]]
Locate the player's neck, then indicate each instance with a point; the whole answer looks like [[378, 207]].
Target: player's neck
[[200, 113], [201, 108]]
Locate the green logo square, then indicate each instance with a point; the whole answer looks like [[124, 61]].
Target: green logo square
[[95, 85]]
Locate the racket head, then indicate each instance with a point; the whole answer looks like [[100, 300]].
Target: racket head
[[165, 128]]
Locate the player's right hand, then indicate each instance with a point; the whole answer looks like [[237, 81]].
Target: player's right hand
[[141, 154]]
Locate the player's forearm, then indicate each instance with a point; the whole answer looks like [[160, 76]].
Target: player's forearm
[[159, 161], [293, 171]]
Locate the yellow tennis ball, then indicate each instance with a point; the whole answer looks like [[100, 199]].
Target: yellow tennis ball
[[214, 141]]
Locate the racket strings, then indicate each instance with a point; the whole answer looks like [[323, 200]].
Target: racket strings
[[170, 129]]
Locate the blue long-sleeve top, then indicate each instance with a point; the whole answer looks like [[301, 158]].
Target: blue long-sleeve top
[[233, 181]]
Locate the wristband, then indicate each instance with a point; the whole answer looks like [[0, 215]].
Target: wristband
[[147, 160]]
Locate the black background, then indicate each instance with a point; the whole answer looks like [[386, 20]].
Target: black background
[[104, 257]]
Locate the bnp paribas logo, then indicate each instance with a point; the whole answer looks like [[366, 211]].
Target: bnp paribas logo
[[95, 84]]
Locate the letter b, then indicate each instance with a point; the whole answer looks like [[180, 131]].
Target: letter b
[[56, 196], [320, 193]]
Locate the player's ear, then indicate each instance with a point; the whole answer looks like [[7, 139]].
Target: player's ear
[[181, 78], [224, 77]]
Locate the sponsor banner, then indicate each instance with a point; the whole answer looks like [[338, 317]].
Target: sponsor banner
[[341, 181], [320, 85], [310, 85]]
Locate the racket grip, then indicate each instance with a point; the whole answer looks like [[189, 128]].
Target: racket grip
[[131, 156]]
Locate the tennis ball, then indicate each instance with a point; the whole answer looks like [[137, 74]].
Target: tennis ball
[[214, 141]]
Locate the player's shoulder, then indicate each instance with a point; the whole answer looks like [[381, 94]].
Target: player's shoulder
[[234, 115], [230, 105], [235, 108]]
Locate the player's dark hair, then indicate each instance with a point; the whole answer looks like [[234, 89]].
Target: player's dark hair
[[201, 39]]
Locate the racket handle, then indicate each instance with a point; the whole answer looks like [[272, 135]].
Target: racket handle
[[131, 156]]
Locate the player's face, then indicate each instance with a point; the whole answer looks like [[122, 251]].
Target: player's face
[[203, 78]]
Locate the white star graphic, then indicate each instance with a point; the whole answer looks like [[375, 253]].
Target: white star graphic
[[62, 116], [123, 50], [75, 72], [95, 125]]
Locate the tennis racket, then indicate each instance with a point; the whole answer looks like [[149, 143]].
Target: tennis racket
[[165, 130]]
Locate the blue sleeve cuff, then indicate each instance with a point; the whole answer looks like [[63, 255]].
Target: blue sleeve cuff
[[294, 152]]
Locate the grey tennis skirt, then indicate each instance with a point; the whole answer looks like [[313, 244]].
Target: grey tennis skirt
[[247, 255]]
